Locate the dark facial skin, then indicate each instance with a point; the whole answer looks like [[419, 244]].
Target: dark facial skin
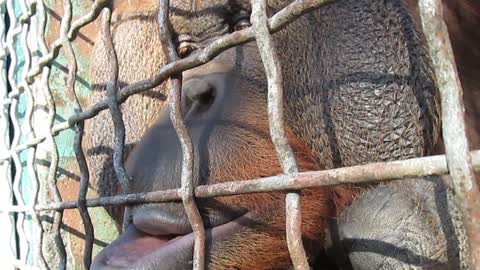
[[358, 88]]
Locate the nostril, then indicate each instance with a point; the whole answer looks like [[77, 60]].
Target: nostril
[[198, 91], [206, 97]]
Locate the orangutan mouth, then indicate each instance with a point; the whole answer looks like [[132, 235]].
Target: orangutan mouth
[[135, 249]]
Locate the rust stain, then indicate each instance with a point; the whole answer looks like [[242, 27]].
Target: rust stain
[[54, 12], [105, 228], [71, 218], [86, 38]]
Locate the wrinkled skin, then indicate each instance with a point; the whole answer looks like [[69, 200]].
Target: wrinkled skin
[[412, 224], [363, 94], [429, 234]]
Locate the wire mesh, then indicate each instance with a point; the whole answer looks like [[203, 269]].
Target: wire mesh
[[29, 44], [24, 85], [9, 245], [13, 32], [82, 163]]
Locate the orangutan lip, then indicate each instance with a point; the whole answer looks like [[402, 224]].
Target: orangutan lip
[[137, 250]]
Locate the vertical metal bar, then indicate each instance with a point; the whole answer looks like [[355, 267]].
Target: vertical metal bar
[[12, 34], [51, 179], [115, 111], [40, 84], [7, 231], [35, 234], [77, 147], [174, 96], [25, 89], [273, 70], [35, 28], [453, 122], [279, 138], [47, 150]]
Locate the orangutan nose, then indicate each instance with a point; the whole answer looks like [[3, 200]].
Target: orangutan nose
[[198, 94], [157, 222]]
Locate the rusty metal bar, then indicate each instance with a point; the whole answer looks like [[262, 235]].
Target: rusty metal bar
[[273, 70], [293, 11], [82, 164], [77, 147], [453, 122], [382, 171], [275, 23], [187, 190], [285, 155], [457, 155], [115, 111]]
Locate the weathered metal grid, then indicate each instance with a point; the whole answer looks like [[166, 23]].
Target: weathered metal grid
[[28, 26]]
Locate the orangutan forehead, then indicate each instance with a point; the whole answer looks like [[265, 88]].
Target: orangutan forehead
[[202, 17], [194, 6]]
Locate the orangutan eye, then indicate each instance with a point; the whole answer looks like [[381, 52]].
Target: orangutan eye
[[242, 24], [185, 49]]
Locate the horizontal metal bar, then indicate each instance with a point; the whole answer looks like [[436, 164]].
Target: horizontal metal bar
[[35, 141], [393, 170]]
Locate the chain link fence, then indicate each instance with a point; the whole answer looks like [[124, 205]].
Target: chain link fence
[[31, 205]]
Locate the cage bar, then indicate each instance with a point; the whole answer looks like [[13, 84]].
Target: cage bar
[[80, 156], [50, 144], [174, 94], [30, 189], [284, 152], [7, 237], [47, 58], [453, 121], [276, 23], [15, 30], [458, 161], [115, 111], [372, 172]]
